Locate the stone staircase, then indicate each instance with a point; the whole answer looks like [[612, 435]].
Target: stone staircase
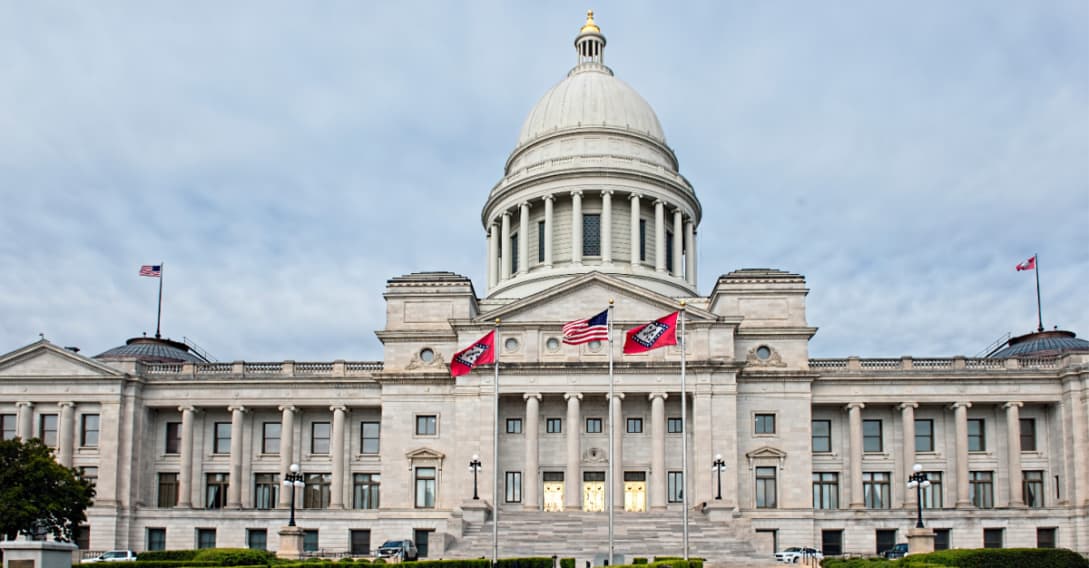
[[585, 536]]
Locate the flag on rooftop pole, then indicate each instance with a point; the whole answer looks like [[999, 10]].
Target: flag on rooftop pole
[[1030, 264], [480, 352], [658, 333], [585, 330], [155, 271]]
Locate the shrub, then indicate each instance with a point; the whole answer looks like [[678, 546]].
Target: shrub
[[167, 555], [235, 556], [567, 563], [166, 563], [638, 560], [532, 562], [379, 561], [1000, 558]]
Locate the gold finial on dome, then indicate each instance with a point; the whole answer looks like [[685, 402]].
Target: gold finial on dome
[[590, 26]]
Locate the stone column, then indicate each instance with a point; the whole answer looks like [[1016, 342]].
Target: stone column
[[504, 246], [66, 433], [854, 412], [576, 227], [606, 226], [549, 227], [657, 451], [287, 450], [523, 239], [336, 452], [571, 482], [234, 487], [678, 244], [634, 229], [24, 427], [529, 477], [493, 256], [690, 252], [960, 412], [907, 417], [1013, 437], [616, 461], [659, 236], [185, 476]]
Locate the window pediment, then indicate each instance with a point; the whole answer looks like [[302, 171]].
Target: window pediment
[[766, 455]]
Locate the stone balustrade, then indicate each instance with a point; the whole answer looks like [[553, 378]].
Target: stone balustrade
[[856, 364], [264, 369]]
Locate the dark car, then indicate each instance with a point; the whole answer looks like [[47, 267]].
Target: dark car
[[402, 549], [897, 551]]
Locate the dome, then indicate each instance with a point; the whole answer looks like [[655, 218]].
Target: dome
[[1042, 344], [151, 350]]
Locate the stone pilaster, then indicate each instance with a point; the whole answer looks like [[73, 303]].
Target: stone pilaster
[[234, 487], [658, 477], [616, 461], [336, 453], [571, 480], [854, 416], [66, 433], [530, 500], [907, 420], [1013, 446], [287, 450], [24, 426], [960, 418], [185, 476]]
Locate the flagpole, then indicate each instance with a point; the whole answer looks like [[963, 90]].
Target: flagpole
[[159, 316], [495, 456], [684, 434], [609, 473], [1039, 309]]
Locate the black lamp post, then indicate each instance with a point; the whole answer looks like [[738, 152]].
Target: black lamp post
[[918, 481], [292, 481], [474, 466], [719, 465]]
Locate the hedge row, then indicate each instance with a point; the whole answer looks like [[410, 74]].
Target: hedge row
[[973, 558]]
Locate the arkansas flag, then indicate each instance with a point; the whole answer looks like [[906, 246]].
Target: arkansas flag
[[1028, 264], [481, 352], [658, 333]]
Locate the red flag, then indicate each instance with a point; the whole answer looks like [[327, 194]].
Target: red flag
[[481, 352], [1028, 264], [658, 333]]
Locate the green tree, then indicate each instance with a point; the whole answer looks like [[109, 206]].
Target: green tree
[[39, 495]]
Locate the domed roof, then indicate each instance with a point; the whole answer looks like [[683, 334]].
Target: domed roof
[[151, 349], [1042, 344]]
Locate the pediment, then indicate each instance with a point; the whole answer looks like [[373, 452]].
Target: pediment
[[766, 452], [43, 359], [589, 294], [420, 454]]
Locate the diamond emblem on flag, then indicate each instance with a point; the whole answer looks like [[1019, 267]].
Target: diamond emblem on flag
[[650, 333], [470, 355]]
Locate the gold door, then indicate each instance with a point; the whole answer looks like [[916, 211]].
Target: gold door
[[553, 496], [593, 496], [635, 496]]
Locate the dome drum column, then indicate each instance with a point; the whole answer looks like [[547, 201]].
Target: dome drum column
[[635, 240], [690, 246], [576, 227], [493, 256], [659, 236], [504, 245], [548, 230], [678, 243], [523, 240], [607, 227]]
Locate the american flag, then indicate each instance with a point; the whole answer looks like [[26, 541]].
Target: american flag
[[152, 270], [586, 330]]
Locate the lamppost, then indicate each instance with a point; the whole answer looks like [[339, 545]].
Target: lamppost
[[718, 466], [292, 481], [918, 481], [474, 466]]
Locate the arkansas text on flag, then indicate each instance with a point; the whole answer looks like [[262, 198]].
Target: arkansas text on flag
[[481, 352], [1028, 264], [587, 330], [152, 270], [658, 333]]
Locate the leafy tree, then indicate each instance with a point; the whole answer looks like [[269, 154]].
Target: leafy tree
[[38, 495]]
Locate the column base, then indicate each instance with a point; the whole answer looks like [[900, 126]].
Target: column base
[[920, 541], [291, 543]]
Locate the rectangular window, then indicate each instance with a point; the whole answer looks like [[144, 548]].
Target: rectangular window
[[643, 240], [1028, 434], [426, 425], [206, 538], [319, 438], [222, 443], [875, 489], [216, 490], [7, 426], [554, 425], [635, 425], [90, 473], [317, 490], [1032, 486], [423, 541], [924, 435], [360, 542], [369, 433], [365, 490], [872, 440], [514, 486], [765, 424], [257, 539], [266, 490], [992, 538], [156, 539], [88, 431], [822, 436], [932, 496], [832, 541], [825, 490], [981, 486], [941, 539], [591, 234], [593, 425], [766, 490], [674, 426], [270, 438], [540, 241], [514, 425], [168, 490], [514, 253], [675, 486], [885, 539], [47, 429], [669, 251], [425, 488], [977, 439], [310, 540], [1045, 537], [173, 438]]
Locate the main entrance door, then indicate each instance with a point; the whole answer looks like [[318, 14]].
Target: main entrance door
[[635, 491], [553, 491], [593, 491]]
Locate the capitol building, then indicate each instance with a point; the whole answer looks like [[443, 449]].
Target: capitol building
[[781, 449]]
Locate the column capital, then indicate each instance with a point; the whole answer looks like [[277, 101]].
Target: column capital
[[288, 408], [1013, 404], [607, 192], [338, 408], [574, 395], [24, 404], [187, 408], [854, 405], [506, 213], [654, 395], [66, 404], [660, 202], [237, 408], [525, 204], [907, 405], [618, 395], [548, 197], [634, 196], [677, 209], [957, 405], [530, 395], [576, 193]]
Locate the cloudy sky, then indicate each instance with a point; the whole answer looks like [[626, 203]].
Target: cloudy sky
[[285, 159]]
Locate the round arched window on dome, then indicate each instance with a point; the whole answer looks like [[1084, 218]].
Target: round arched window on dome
[[427, 355], [511, 344], [763, 352], [552, 344]]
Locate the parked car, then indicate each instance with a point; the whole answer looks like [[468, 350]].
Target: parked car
[[796, 554], [898, 550], [113, 556], [402, 549]]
